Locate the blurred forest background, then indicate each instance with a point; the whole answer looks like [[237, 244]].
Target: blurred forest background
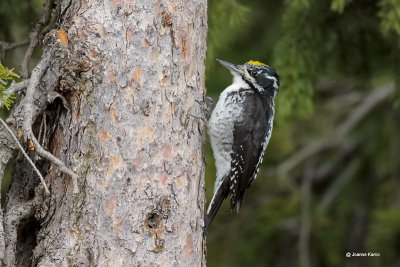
[[330, 180], [329, 183]]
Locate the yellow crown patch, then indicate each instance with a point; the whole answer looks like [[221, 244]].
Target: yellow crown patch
[[257, 63]]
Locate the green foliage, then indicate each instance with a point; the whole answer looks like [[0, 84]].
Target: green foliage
[[295, 59], [6, 77], [298, 5], [338, 5], [6, 74], [385, 232], [226, 22], [390, 16]]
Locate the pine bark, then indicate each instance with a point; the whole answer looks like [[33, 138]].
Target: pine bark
[[123, 78]]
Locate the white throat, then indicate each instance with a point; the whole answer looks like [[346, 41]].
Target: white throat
[[238, 83]]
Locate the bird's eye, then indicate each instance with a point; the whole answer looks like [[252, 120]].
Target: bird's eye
[[253, 73]]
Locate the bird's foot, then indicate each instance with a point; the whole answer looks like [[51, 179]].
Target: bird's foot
[[203, 119], [206, 108]]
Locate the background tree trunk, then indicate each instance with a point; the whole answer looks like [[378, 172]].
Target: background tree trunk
[[130, 72]]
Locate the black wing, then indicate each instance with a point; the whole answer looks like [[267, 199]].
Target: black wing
[[249, 136]]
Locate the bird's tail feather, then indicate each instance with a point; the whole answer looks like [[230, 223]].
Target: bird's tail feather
[[219, 195]]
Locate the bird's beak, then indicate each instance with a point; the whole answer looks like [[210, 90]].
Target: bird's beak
[[235, 69]]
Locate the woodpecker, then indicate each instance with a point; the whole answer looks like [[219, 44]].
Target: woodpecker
[[240, 127]]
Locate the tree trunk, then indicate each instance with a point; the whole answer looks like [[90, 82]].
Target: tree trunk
[[127, 75]]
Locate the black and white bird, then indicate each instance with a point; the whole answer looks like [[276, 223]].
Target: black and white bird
[[240, 127]]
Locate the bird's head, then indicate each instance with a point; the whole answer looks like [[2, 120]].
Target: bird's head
[[257, 75]]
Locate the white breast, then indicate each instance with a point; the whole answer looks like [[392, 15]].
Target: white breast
[[220, 126]]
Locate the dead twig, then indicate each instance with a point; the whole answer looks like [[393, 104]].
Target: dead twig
[[16, 87], [369, 103], [334, 190], [37, 73], [34, 37], [26, 156], [337, 138], [4, 46], [327, 168]]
